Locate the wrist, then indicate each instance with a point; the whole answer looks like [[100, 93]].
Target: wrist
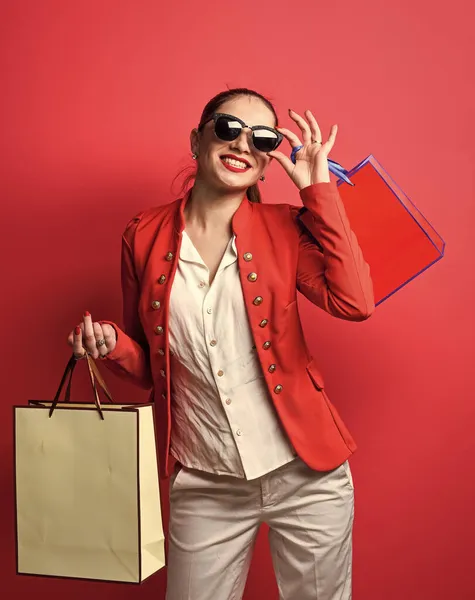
[[321, 173]]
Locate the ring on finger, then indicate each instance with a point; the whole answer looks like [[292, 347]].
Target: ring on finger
[[100, 343], [316, 142]]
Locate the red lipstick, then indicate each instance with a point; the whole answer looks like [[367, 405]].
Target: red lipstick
[[232, 167]]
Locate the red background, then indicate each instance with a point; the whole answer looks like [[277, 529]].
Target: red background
[[97, 100]]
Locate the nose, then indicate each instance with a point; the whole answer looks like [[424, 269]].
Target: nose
[[242, 142]]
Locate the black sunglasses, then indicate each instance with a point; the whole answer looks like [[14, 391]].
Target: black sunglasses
[[228, 128]]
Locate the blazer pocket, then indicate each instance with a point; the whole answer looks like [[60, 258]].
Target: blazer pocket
[[290, 305], [315, 375]]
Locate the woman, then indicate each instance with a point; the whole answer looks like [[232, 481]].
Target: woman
[[211, 324]]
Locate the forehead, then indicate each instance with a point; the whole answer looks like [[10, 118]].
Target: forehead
[[250, 110]]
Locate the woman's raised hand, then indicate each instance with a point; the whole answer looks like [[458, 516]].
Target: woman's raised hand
[[311, 164]]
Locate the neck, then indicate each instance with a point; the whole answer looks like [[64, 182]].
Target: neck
[[211, 209]]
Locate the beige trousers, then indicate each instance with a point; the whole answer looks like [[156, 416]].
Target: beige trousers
[[214, 521]]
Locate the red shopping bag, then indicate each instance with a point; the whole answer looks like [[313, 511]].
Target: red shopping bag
[[397, 241]]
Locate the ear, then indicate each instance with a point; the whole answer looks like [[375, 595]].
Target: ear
[[194, 141]]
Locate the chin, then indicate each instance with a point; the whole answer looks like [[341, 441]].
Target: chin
[[231, 181]]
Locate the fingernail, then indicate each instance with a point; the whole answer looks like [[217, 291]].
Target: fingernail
[[87, 314], [77, 330]]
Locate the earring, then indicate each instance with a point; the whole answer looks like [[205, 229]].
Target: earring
[[262, 178], [194, 156]]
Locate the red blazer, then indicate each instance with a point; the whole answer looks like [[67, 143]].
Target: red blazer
[[281, 249]]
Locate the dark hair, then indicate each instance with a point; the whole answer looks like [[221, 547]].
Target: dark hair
[[253, 194]]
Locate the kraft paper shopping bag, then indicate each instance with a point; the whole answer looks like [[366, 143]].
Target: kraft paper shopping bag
[[87, 491]]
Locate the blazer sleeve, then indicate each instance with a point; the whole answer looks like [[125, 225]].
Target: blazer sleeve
[[331, 271], [130, 358]]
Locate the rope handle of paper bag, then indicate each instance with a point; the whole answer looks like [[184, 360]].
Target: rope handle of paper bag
[[94, 376]]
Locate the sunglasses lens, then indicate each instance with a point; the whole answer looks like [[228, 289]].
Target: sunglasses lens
[[265, 140], [227, 129]]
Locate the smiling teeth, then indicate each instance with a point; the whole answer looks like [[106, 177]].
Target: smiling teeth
[[235, 163]]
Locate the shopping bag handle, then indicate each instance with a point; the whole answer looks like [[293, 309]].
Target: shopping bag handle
[[94, 376]]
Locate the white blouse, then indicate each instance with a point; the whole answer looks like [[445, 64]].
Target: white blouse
[[223, 420]]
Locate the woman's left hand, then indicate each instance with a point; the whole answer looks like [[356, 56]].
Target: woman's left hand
[[311, 160]]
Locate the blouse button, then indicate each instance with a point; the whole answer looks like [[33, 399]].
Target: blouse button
[[162, 279], [257, 300], [213, 343], [169, 256], [272, 368], [162, 373], [266, 345], [263, 323], [228, 401], [159, 330], [252, 277], [220, 373], [248, 257], [161, 351], [278, 389], [156, 304]]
